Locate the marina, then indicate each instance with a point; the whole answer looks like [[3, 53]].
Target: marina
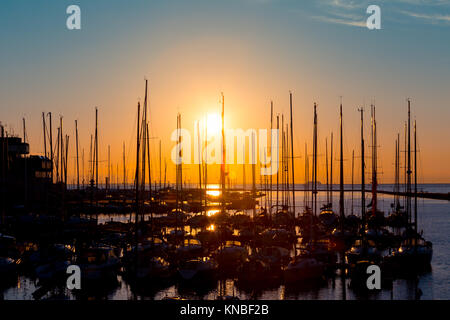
[[207, 241], [225, 157], [432, 284]]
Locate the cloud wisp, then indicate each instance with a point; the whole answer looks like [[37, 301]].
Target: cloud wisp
[[430, 18], [342, 21], [343, 12]]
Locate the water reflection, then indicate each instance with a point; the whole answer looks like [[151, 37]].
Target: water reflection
[[210, 213], [213, 190], [433, 218]]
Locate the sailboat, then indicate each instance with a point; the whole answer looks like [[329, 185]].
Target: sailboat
[[375, 217], [191, 248], [283, 217], [8, 268], [98, 263], [9, 259], [305, 266], [414, 253], [231, 255], [154, 269], [306, 219], [327, 217], [341, 236], [198, 221], [362, 249], [398, 218], [199, 269]]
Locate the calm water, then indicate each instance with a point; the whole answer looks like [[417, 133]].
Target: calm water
[[434, 220]]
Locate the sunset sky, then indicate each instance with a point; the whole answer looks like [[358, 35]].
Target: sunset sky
[[254, 51]]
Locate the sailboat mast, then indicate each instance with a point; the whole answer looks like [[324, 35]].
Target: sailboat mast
[[312, 162], [24, 131], [136, 219], [283, 161], [408, 191], [96, 148], [283, 172], [398, 170], [144, 137], [149, 162], [406, 167], [244, 187], [331, 171], [397, 173], [363, 183], [51, 142], [109, 169], [91, 165], [374, 162], [222, 172], [353, 169], [263, 180], [306, 177], [315, 161], [341, 175], [326, 166], [199, 152], [3, 173], [286, 186], [165, 172], [57, 155], [45, 135], [285, 164], [177, 164], [137, 166], [160, 164], [395, 176], [66, 158], [278, 171], [253, 171], [83, 172], [271, 157], [61, 145], [206, 164], [415, 178], [78, 165], [124, 170], [181, 155], [292, 157]]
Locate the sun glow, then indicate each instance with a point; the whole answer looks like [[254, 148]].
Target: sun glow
[[214, 120], [213, 193], [210, 213], [212, 190], [214, 123]]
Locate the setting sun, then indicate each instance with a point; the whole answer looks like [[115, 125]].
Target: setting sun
[[214, 123], [228, 151]]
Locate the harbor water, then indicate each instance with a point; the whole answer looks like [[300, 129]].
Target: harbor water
[[433, 219]]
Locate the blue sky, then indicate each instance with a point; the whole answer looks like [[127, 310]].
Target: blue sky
[[253, 50]]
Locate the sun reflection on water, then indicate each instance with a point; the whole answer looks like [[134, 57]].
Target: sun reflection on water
[[210, 213], [213, 190]]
